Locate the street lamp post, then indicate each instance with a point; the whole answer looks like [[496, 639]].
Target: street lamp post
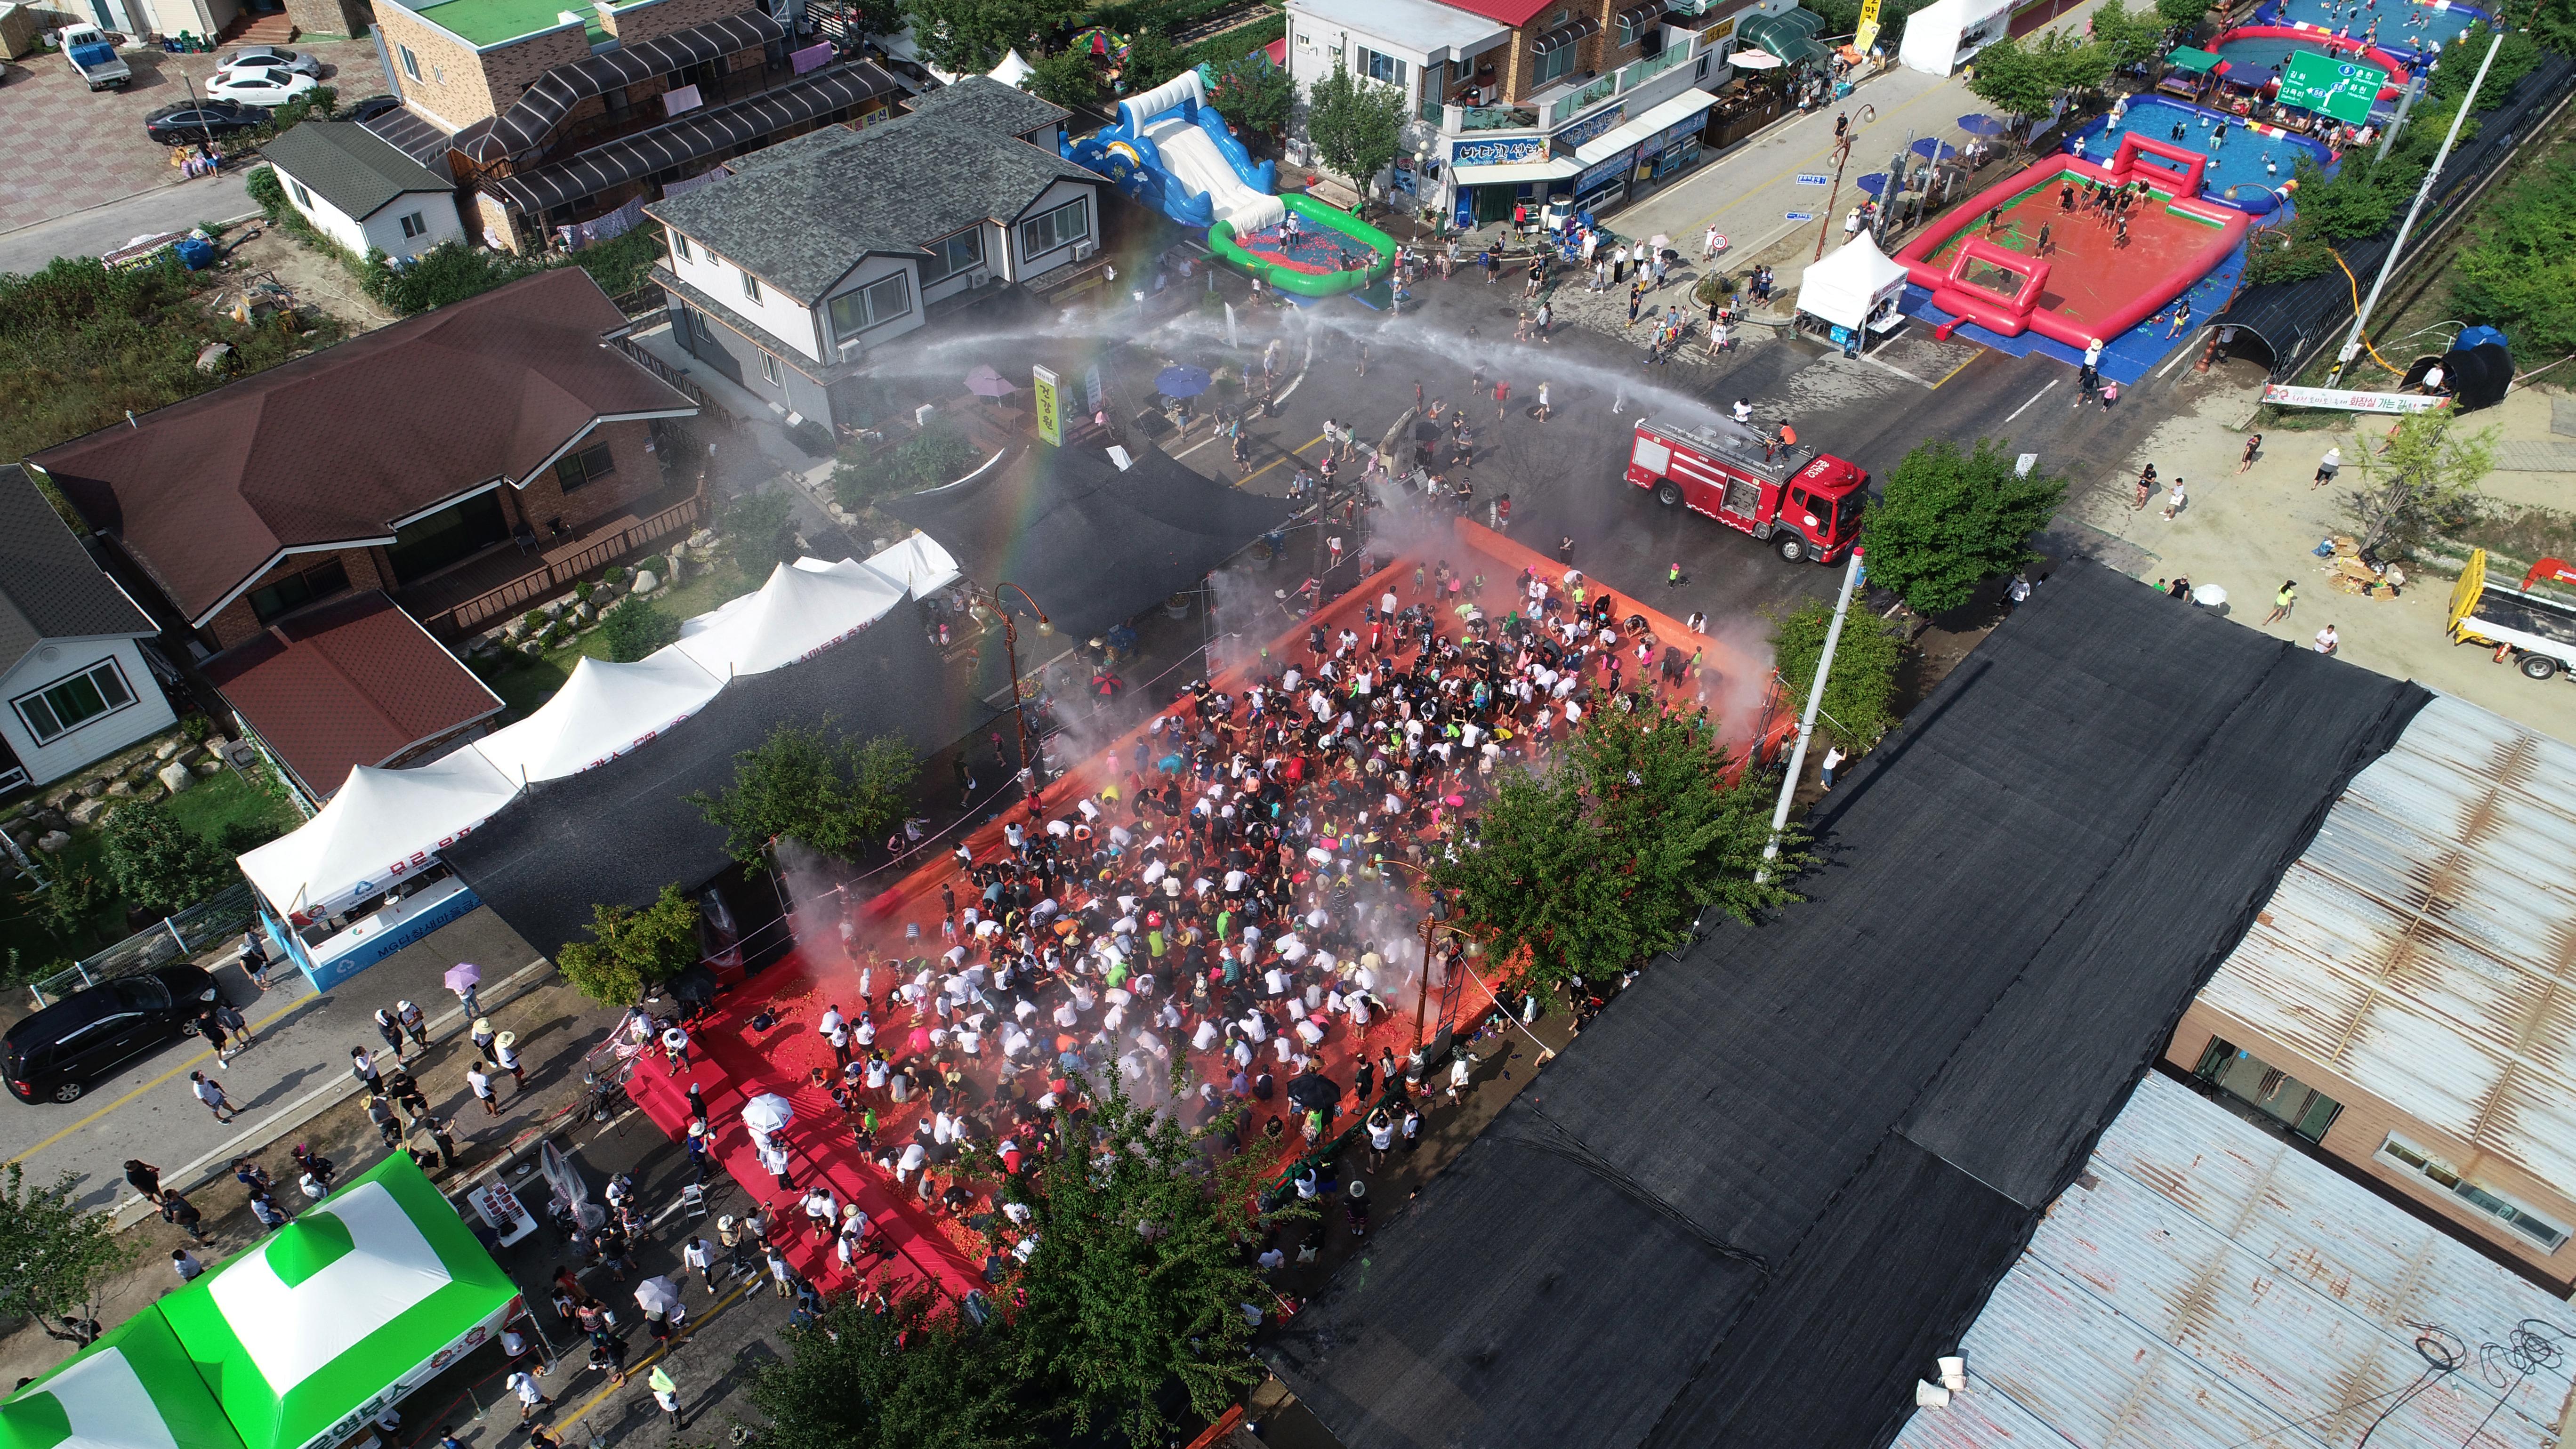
[[1033, 769]]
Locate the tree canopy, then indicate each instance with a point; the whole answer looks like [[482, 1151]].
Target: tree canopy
[[909, 1375], [1254, 94], [2422, 481], [159, 863], [1609, 857], [1355, 124], [970, 36], [761, 532], [2518, 271], [2024, 78], [55, 1258], [1952, 520], [1864, 679], [1066, 77], [2128, 38], [630, 950], [813, 785]]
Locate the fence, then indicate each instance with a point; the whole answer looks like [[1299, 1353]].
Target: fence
[[177, 937], [545, 583], [663, 370]]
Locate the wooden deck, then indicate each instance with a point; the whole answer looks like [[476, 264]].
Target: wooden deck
[[503, 581]]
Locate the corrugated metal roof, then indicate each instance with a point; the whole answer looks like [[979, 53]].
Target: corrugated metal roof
[[2424, 948], [2205, 1285]]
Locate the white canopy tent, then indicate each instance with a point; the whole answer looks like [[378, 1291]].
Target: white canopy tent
[[387, 824], [1850, 284], [1012, 71], [378, 829], [603, 711]]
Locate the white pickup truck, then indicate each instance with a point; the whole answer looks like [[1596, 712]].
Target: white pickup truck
[[2535, 631], [94, 59]]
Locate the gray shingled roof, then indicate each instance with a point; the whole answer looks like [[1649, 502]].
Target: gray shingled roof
[[351, 167], [49, 587], [988, 105], [800, 214]]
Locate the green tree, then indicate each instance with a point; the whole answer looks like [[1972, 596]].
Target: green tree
[[917, 1375], [2015, 79], [631, 950], [2128, 38], [2519, 270], [761, 528], [2423, 482], [2183, 16], [813, 786], [1594, 867], [2074, 64], [2553, 25], [1952, 520], [448, 272], [971, 35], [56, 1260], [1151, 60], [1067, 78], [1864, 677], [1140, 1274], [1354, 125], [634, 628], [2450, 83], [1256, 95], [160, 864]]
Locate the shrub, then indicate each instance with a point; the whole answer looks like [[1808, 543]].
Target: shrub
[[762, 532], [614, 577], [635, 628], [161, 865], [448, 272], [630, 950]]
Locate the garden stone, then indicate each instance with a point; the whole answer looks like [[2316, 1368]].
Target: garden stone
[[121, 788], [645, 583], [210, 767], [63, 799], [53, 842], [166, 750], [53, 820], [512, 630], [702, 538], [553, 608], [177, 777], [216, 745], [96, 787], [533, 648], [584, 612], [87, 810]]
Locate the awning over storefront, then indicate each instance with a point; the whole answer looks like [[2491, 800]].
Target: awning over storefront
[[1653, 122], [2185, 57], [1790, 35], [1566, 35], [1516, 173]]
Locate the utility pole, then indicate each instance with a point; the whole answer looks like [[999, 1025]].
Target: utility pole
[[1842, 155], [1807, 721], [1894, 188], [2387, 268], [2405, 103]]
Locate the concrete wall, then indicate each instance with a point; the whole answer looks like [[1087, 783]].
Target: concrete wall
[[148, 715], [2355, 1137]]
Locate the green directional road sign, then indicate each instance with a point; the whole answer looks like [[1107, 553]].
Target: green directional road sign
[[2343, 89]]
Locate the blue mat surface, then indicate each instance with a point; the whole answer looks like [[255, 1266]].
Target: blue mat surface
[[2131, 355]]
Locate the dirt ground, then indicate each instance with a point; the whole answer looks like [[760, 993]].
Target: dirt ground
[[315, 278]]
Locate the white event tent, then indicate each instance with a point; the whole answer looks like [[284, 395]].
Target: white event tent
[[386, 824], [1850, 283]]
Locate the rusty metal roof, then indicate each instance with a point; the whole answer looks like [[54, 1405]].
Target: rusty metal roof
[[2424, 946], [2206, 1285]]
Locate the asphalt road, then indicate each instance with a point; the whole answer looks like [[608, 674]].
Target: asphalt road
[[103, 228]]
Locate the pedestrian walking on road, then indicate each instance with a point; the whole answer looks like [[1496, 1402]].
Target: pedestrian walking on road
[[186, 1266], [414, 1021], [388, 1125], [213, 1031], [444, 1135], [505, 1055], [2282, 601], [482, 1038], [231, 1019], [2253, 446], [466, 995], [2174, 500], [183, 1215], [666, 1392], [2328, 466], [391, 1030], [211, 1092], [362, 1065], [1502, 397], [532, 1395], [2146, 488], [479, 1082], [145, 1177]]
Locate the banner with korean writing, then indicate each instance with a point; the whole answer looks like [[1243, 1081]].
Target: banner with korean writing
[[2353, 402]]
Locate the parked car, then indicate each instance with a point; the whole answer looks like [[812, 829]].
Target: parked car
[[258, 87], [93, 57], [54, 1055], [370, 108], [190, 121], [270, 57]]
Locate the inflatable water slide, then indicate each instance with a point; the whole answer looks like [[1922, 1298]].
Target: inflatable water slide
[[1171, 150]]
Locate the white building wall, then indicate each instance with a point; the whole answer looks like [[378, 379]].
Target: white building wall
[[148, 715], [1023, 268], [330, 220], [876, 269], [775, 311], [1314, 44], [437, 211]]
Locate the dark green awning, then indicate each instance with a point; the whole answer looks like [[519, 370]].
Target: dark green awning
[[2197, 62], [1790, 35]]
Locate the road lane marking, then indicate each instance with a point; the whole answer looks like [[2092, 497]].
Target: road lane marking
[[2034, 397]]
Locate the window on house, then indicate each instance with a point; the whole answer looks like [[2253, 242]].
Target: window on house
[[879, 301], [1060, 227], [1558, 63], [954, 255], [590, 464], [416, 224], [751, 286], [303, 198], [771, 372], [2402, 1153], [1381, 67], [680, 247], [67, 704], [410, 62], [296, 590]]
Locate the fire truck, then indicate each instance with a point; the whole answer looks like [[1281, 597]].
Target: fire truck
[[1802, 502]]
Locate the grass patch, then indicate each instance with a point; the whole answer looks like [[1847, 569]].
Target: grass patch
[[526, 682]]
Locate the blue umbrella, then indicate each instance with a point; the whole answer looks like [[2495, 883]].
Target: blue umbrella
[[1932, 150], [1872, 183], [1179, 381], [1981, 125]]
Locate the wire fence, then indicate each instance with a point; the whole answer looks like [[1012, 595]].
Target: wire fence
[[175, 938]]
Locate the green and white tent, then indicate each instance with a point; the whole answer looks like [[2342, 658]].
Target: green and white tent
[[298, 1342], [133, 1389]]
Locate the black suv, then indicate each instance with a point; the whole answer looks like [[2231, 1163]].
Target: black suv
[[55, 1054]]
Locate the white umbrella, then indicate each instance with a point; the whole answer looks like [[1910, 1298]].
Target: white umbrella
[[2209, 596], [657, 1295], [767, 1113]]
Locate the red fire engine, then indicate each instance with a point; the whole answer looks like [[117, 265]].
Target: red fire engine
[[1802, 502]]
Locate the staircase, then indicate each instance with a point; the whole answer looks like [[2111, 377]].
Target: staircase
[[273, 28]]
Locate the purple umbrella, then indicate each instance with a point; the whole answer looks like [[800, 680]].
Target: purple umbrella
[[462, 975], [985, 382], [1981, 125]]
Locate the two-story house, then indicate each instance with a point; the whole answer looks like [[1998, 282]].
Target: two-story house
[[1518, 101], [76, 686], [817, 253], [551, 114], [471, 462]]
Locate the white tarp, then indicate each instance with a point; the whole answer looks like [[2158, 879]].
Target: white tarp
[[1013, 70], [1850, 282], [603, 711], [806, 607], [382, 826], [919, 564]]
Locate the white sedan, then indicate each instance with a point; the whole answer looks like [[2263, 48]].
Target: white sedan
[[259, 87], [271, 57]]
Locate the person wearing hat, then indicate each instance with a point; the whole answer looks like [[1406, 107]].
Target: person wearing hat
[[482, 1037], [505, 1055], [698, 1154]]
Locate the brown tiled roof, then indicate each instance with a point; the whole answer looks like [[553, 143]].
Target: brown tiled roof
[[355, 681], [332, 448]]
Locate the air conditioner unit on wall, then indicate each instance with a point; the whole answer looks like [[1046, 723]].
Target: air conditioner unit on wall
[[1082, 250]]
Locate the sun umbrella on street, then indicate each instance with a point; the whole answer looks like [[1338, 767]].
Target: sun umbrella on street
[[985, 382], [1872, 183], [463, 974], [1932, 149], [767, 1113], [1981, 125], [1178, 381], [657, 1295], [1314, 1092], [1659, 241]]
